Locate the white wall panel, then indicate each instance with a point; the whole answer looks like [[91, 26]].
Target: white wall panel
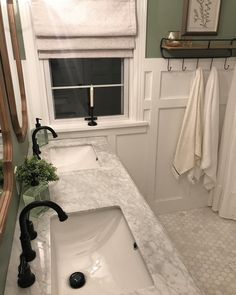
[[133, 151], [148, 77], [175, 85], [169, 124], [169, 99]]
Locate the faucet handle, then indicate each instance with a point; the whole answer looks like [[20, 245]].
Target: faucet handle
[[37, 122], [25, 277], [36, 150], [28, 253], [30, 227]]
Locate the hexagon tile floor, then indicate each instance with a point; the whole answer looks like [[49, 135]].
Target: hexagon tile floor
[[207, 244]]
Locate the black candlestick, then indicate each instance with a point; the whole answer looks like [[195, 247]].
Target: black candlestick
[[91, 119]]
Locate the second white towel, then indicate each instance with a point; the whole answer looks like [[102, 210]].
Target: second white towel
[[210, 130]]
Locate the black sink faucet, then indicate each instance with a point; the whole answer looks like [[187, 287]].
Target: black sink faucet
[[25, 277], [35, 147]]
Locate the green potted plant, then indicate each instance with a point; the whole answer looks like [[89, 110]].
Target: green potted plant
[[34, 175], [33, 172]]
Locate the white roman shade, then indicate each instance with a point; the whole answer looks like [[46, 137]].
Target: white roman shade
[[84, 28]]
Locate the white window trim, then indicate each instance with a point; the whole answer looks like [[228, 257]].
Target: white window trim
[[36, 88], [136, 85], [81, 121]]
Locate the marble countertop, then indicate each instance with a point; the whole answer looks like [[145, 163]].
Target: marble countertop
[[108, 185]]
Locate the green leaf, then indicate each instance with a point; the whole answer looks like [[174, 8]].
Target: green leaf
[[34, 171]]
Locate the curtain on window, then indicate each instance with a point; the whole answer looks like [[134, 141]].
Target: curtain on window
[[84, 28]]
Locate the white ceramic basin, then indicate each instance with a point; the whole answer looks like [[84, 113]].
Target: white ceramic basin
[[100, 244], [72, 158]]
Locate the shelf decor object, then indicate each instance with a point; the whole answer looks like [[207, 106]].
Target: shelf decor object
[[200, 17]]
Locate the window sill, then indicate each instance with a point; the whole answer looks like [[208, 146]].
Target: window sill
[[102, 125]]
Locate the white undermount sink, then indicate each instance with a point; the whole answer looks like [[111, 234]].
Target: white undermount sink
[[99, 244], [72, 158]]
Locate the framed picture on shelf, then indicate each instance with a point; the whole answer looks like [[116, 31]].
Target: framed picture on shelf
[[200, 17]]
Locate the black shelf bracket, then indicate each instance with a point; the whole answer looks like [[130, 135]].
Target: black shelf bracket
[[198, 48]]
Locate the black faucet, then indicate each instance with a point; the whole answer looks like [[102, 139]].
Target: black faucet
[[35, 147], [25, 276]]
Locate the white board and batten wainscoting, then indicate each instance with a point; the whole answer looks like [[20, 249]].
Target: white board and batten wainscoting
[[167, 94]]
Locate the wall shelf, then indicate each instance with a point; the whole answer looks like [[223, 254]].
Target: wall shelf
[[197, 48]]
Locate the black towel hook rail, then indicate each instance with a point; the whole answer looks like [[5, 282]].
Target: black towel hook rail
[[169, 68], [226, 67], [199, 49], [211, 63], [197, 63], [184, 68]]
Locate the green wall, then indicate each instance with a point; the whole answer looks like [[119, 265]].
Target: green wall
[[166, 15], [19, 152]]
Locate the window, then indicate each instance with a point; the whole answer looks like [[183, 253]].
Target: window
[[70, 87]]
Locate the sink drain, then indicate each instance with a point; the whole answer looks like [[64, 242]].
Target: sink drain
[[77, 280], [135, 246]]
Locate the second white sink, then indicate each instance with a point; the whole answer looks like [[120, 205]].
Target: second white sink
[[99, 244], [72, 158]]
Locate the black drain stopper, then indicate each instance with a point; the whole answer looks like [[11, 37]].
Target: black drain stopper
[[77, 280]]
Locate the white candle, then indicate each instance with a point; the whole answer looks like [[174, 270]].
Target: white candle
[[91, 97]]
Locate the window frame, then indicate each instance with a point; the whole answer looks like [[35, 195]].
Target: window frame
[[139, 106], [50, 102]]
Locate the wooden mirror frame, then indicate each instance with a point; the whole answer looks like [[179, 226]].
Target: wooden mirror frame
[[20, 131], [6, 196]]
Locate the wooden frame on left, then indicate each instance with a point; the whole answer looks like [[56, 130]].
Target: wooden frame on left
[[20, 128], [5, 197]]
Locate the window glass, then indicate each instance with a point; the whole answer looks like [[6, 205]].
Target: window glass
[[71, 103], [74, 103], [71, 80], [108, 101], [85, 71]]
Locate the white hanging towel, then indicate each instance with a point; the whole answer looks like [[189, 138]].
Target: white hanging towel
[[223, 198], [210, 130], [189, 147]]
